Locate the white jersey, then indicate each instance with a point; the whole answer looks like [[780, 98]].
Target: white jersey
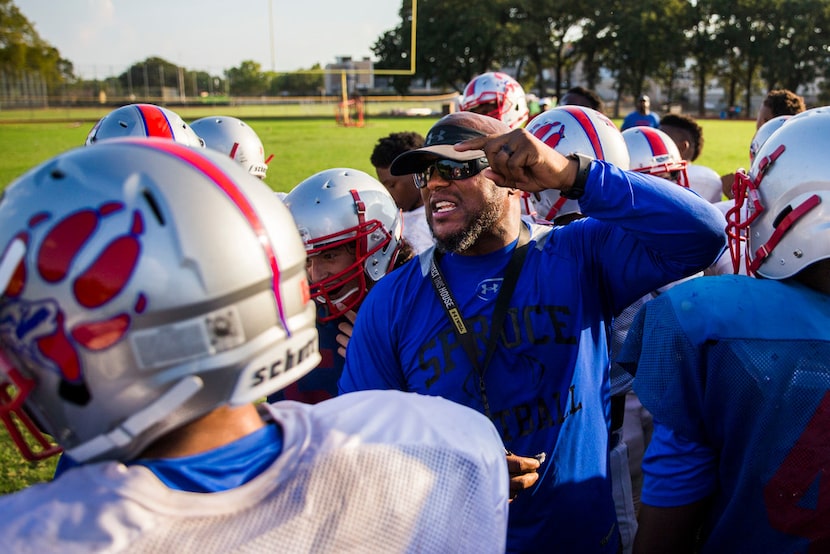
[[705, 181], [375, 471], [416, 230]]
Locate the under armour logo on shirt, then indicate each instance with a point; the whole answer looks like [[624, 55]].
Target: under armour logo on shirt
[[488, 289]]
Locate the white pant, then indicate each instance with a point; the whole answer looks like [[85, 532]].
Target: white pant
[[637, 428], [623, 501]]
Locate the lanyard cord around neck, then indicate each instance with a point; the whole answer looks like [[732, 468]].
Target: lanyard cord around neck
[[462, 329]]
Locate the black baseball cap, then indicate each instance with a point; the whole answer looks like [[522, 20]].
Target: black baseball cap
[[447, 132]]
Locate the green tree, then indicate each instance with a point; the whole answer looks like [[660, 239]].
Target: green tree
[[542, 28], [703, 31], [298, 83], [247, 79], [146, 78], [797, 42], [642, 42], [23, 50], [455, 40]]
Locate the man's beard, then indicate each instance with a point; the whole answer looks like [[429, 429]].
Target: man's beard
[[465, 238]]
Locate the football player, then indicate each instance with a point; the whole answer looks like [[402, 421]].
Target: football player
[[352, 229], [735, 371], [150, 295]]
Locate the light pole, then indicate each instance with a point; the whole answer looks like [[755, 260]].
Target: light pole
[[271, 32]]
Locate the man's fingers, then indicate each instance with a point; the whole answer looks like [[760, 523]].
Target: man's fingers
[[520, 464], [477, 143], [343, 339]]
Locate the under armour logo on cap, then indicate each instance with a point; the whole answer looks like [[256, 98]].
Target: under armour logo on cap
[[450, 134]]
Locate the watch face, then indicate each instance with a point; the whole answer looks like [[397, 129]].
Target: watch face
[[578, 187]]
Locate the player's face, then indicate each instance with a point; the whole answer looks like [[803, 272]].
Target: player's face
[[461, 212], [486, 109], [329, 262], [764, 115], [402, 189]]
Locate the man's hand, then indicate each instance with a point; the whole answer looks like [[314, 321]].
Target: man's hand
[[345, 333], [520, 160], [523, 474]]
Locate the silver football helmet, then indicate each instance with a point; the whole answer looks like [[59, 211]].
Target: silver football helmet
[[234, 138], [764, 132], [126, 311], [782, 206], [654, 152], [143, 120], [581, 130], [501, 90], [343, 206]]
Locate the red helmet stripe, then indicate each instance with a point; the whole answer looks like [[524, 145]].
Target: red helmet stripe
[[155, 122], [658, 147], [238, 198], [590, 131]]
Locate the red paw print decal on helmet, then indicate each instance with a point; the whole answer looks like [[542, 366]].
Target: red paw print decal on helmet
[[550, 133], [36, 328]]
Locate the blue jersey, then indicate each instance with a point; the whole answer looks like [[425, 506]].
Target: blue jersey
[[547, 384], [737, 373], [321, 382]]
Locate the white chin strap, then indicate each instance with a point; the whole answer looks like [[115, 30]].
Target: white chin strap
[[139, 422]]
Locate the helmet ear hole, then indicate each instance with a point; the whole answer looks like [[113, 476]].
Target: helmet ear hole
[[781, 215], [74, 393], [154, 207]]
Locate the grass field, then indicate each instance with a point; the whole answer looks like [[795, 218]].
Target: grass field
[[301, 147]]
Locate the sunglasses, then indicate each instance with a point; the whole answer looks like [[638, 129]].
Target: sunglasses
[[450, 170]]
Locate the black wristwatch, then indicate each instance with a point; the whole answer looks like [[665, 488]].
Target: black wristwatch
[[578, 188]]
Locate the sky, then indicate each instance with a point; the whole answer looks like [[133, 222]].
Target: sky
[[103, 38]]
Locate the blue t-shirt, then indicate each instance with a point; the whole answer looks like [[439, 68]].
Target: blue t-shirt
[[547, 384], [220, 469], [223, 468], [637, 119], [739, 367]]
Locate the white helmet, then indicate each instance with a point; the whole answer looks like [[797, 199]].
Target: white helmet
[[344, 206], [502, 90], [654, 152], [235, 139], [764, 132], [575, 129], [126, 311], [785, 199], [143, 120]]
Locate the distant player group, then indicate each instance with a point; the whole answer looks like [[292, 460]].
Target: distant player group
[[527, 334]]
